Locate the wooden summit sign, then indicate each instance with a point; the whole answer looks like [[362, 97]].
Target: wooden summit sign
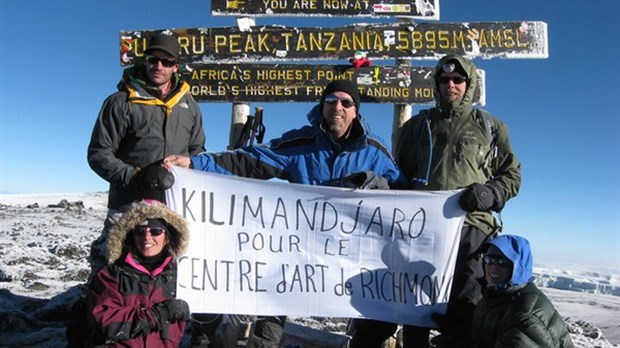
[[305, 83], [402, 40], [417, 9]]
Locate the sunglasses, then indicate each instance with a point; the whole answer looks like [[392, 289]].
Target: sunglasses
[[168, 63], [457, 80], [496, 260], [346, 102], [154, 231]]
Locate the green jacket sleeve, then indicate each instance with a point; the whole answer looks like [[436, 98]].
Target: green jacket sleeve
[[506, 168]]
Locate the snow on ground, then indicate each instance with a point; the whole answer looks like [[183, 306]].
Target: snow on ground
[[96, 200], [45, 238], [601, 310]]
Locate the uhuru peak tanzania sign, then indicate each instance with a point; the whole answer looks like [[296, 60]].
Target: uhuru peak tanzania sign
[[419, 9], [305, 83], [382, 41]]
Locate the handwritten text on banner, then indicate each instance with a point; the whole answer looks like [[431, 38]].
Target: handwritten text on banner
[[272, 248]]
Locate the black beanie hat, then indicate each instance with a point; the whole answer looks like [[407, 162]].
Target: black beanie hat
[[166, 43], [346, 86]]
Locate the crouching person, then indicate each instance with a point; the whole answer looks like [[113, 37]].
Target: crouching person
[[131, 302], [513, 312]]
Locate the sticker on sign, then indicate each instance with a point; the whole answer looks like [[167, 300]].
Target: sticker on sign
[[380, 8]]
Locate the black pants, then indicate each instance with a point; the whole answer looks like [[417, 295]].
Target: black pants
[[205, 324], [464, 296], [466, 291], [268, 332], [372, 333]]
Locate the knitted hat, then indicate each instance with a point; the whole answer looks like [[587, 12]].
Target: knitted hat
[[166, 43], [346, 86]]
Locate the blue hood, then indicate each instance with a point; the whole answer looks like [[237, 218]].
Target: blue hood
[[516, 249]]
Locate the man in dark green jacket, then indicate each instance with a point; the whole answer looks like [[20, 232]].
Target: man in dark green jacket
[[454, 146], [152, 116]]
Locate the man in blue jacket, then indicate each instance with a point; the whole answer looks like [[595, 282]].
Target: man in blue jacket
[[336, 149], [336, 144]]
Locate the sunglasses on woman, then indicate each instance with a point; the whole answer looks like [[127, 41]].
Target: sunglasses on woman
[[154, 231], [496, 260]]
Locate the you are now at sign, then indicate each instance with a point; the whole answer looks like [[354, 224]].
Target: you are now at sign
[[272, 248]]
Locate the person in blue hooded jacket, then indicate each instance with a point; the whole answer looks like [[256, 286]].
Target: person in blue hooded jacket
[[336, 149], [513, 311]]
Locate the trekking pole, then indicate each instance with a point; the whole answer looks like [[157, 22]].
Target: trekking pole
[[257, 128]]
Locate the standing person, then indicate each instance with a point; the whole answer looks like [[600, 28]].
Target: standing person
[[514, 312], [152, 115], [336, 149], [455, 146], [131, 302]]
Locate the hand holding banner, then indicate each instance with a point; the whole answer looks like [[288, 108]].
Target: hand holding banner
[[272, 248]]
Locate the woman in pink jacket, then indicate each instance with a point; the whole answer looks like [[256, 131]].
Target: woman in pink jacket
[[131, 302]]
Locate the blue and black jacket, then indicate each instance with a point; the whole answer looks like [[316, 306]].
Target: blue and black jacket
[[308, 155]]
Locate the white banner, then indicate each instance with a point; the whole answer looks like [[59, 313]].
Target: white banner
[[272, 248]]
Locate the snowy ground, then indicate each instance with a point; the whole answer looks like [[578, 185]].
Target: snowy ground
[[601, 310], [44, 241]]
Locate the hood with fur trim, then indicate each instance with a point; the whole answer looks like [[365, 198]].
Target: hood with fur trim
[[139, 212]]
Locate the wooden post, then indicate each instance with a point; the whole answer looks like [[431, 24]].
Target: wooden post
[[402, 112], [240, 111]]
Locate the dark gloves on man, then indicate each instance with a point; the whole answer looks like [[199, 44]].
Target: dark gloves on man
[[170, 311], [366, 180], [154, 176], [448, 340], [452, 334], [482, 197]]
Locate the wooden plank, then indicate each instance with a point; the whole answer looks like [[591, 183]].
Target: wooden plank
[[382, 41], [305, 83], [425, 10]]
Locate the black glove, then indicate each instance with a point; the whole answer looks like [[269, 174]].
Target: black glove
[[479, 197], [447, 340], [446, 324], [170, 311], [154, 176], [366, 180]]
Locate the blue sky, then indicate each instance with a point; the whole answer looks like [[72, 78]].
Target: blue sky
[[59, 60]]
